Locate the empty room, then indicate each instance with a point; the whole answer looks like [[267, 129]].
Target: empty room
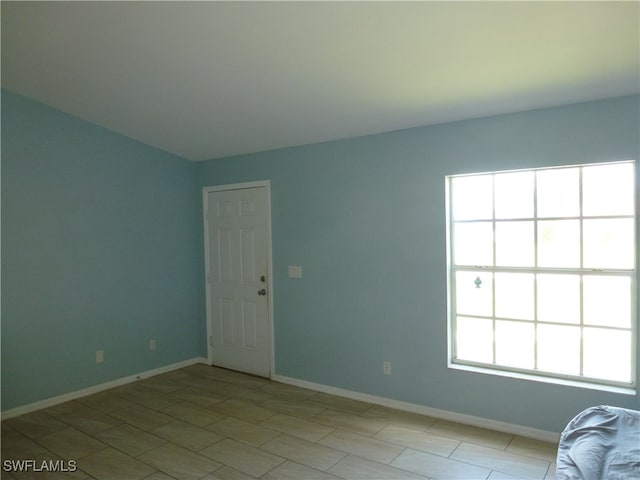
[[320, 240]]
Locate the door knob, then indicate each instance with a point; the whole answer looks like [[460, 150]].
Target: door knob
[[262, 292], [263, 279]]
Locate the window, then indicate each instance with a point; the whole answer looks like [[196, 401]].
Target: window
[[542, 272]]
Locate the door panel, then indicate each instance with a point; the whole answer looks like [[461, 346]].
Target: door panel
[[238, 310], [249, 324]]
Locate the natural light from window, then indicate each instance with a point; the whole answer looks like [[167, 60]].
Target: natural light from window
[[542, 271]]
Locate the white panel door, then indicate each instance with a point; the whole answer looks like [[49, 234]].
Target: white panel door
[[236, 223]]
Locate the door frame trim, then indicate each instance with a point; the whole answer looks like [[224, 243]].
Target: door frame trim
[[266, 184]]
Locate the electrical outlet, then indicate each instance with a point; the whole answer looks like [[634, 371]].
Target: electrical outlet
[[386, 368], [152, 344], [99, 356], [295, 271]]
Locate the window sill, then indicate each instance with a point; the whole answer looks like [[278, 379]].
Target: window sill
[[538, 378]]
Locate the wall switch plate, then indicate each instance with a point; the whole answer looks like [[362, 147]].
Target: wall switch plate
[[386, 368], [295, 271], [99, 356], [152, 344]]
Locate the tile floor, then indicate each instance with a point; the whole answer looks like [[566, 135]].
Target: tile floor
[[207, 423]]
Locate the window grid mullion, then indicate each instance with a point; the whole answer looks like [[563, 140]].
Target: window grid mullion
[[581, 246], [453, 271], [548, 270], [523, 219], [561, 324], [535, 275], [493, 273]]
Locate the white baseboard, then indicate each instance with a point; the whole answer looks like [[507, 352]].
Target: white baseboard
[[50, 402], [505, 427]]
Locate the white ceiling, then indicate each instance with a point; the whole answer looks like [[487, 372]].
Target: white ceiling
[[212, 79]]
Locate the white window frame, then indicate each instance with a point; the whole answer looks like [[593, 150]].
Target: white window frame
[[534, 374]]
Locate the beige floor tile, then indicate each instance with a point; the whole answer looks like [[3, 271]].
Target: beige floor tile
[[294, 471], [5, 428], [296, 427], [36, 424], [71, 444], [235, 378], [89, 420], [198, 396], [399, 418], [187, 435], [242, 431], [289, 392], [64, 408], [501, 461], [551, 473], [468, 433], [244, 379], [130, 439], [110, 464], [495, 475], [190, 413], [239, 392], [356, 468], [179, 462], [345, 405], [251, 395], [16, 446], [108, 403], [225, 389], [353, 423], [242, 410], [533, 448], [178, 375], [241, 457], [39, 475], [161, 383], [159, 476], [90, 400], [361, 446], [201, 383], [230, 392], [438, 467], [121, 390], [423, 441], [142, 417], [196, 369], [307, 453], [228, 473], [292, 407], [148, 397]]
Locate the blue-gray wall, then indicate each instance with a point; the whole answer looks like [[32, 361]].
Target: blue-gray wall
[[365, 218], [100, 250]]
